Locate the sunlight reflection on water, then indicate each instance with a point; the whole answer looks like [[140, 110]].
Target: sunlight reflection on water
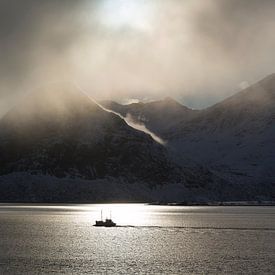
[[46, 239], [150, 215]]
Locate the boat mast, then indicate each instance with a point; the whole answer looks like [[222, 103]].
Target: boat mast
[[101, 215]]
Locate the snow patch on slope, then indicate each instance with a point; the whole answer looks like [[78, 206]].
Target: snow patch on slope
[[137, 126]]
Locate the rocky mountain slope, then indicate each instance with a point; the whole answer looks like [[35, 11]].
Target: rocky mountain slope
[[62, 132], [59, 145], [59, 132], [235, 137], [157, 116]]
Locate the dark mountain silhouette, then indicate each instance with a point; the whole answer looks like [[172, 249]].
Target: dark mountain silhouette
[[157, 116], [59, 145], [60, 132]]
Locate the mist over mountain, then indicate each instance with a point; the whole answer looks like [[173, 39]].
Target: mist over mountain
[[137, 136], [234, 138], [64, 125], [57, 138], [196, 51], [157, 116], [59, 132]]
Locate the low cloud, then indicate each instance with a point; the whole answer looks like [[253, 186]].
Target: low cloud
[[141, 127], [196, 51], [132, 123]]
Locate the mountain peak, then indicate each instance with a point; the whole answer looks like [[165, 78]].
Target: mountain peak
[[56, 93], [169, 99], [55, 107], [172, 103], [269, 77], [55, 99], [268, 83], [60, 131]]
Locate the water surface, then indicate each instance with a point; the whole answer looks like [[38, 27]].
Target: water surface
[[60, 239]]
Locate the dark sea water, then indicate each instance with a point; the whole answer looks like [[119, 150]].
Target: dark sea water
[[60, 239]]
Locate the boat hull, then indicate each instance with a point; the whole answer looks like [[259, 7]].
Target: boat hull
[[107, 223]]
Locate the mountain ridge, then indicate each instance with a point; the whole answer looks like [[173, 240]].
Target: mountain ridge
[[234, 138], [224, 152], [75, 139], [157, 116]]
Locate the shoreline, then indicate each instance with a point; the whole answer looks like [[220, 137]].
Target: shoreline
[[217, 203], [184, 203]]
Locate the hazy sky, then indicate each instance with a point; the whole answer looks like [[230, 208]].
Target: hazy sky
[[198, 51]]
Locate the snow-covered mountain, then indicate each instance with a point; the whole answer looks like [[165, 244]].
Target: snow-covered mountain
[[236, 137], [157, 116], [59, 132], [62, 132], [57, 144]]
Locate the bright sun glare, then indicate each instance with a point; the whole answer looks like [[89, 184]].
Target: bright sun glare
[[125, 13], [123, 214]]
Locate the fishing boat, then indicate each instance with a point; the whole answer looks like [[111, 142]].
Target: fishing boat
[[106, 223]]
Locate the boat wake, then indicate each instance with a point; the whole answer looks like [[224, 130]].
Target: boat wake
[[197, 228]]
